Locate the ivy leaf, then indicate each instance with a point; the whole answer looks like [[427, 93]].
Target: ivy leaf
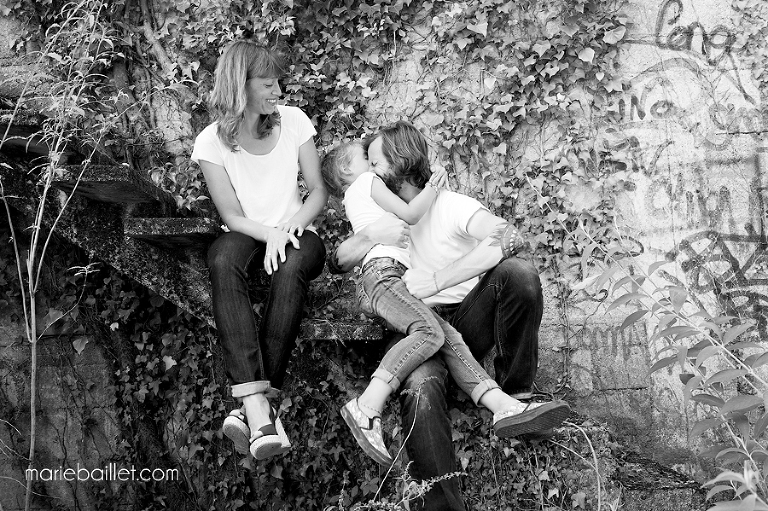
[[79, 344], [52, 317], [570, 29], [276, 472], [193, 449], [587, 54], [615, 35], [541, 47], [462, 42], [480, 28], [613, 85], [169, 362], [489, 81], [432, 118]]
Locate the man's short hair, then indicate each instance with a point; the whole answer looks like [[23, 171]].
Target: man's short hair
[[407, 152]]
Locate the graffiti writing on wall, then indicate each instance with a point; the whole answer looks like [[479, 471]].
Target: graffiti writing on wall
[[691, 95], [734, 268], [713, 44]]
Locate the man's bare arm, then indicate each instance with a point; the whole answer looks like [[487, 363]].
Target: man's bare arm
[[498, 240]]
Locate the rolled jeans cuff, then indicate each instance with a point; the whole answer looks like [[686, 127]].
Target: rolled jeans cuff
[[252, 387], [481, 388], [387, 377]]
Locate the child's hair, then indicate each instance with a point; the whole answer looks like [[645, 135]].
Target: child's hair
[[334, 164], [240, 61], [407, 152]]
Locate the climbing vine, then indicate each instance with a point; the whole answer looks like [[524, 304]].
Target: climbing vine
[[751, 21], [545, 71]]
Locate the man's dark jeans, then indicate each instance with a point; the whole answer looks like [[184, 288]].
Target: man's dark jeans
[[252, 353], [504, 310]]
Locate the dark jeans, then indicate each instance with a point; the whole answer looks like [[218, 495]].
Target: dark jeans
[[504, 310], [253, 353]]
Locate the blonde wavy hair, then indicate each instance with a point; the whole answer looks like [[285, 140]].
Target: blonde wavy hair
[[240, 61], [335, 163]]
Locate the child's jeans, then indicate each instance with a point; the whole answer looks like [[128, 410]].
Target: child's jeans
[[381, 292]]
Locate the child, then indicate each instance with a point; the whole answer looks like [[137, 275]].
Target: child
[[382, 293]]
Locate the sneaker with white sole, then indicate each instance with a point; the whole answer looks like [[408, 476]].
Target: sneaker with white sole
[[367, 432], [530, 418]]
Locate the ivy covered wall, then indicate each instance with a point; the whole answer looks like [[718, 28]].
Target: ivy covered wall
[[589, 123], [658, 137]]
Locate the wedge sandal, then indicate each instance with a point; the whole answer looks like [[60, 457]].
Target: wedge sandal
[[271, 439]]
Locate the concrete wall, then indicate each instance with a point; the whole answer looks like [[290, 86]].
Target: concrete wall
[[77, 423], [693, 111]]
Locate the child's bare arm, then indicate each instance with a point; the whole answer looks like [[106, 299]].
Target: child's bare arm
[[410, 212]]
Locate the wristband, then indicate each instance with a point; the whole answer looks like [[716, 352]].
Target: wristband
[[511, 241]]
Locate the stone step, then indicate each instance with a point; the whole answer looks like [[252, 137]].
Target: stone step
[[650, 485], [330, 330], [100, 229], [116, 184], [22, 134], [26, 138], [173, 233]]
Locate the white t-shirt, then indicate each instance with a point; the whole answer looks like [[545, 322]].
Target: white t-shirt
[[441, 237], [363, 210], [266, 184]]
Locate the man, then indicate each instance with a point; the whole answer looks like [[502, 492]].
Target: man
[[463, 266]]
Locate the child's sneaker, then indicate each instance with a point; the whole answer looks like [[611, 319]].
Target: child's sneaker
[[530, 418], [367, 432]]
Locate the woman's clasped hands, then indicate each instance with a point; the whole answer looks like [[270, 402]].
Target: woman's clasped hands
[[278, 238]]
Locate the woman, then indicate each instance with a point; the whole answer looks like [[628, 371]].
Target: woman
[[250, 158]]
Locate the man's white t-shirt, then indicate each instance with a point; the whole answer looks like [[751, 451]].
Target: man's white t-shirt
[[362, 210], [441, 237], [266, 184]]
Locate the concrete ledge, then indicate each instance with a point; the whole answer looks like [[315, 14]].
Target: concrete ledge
[[340, 331], [173, 233], [117, 184], [650, 486], [23, 137]]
